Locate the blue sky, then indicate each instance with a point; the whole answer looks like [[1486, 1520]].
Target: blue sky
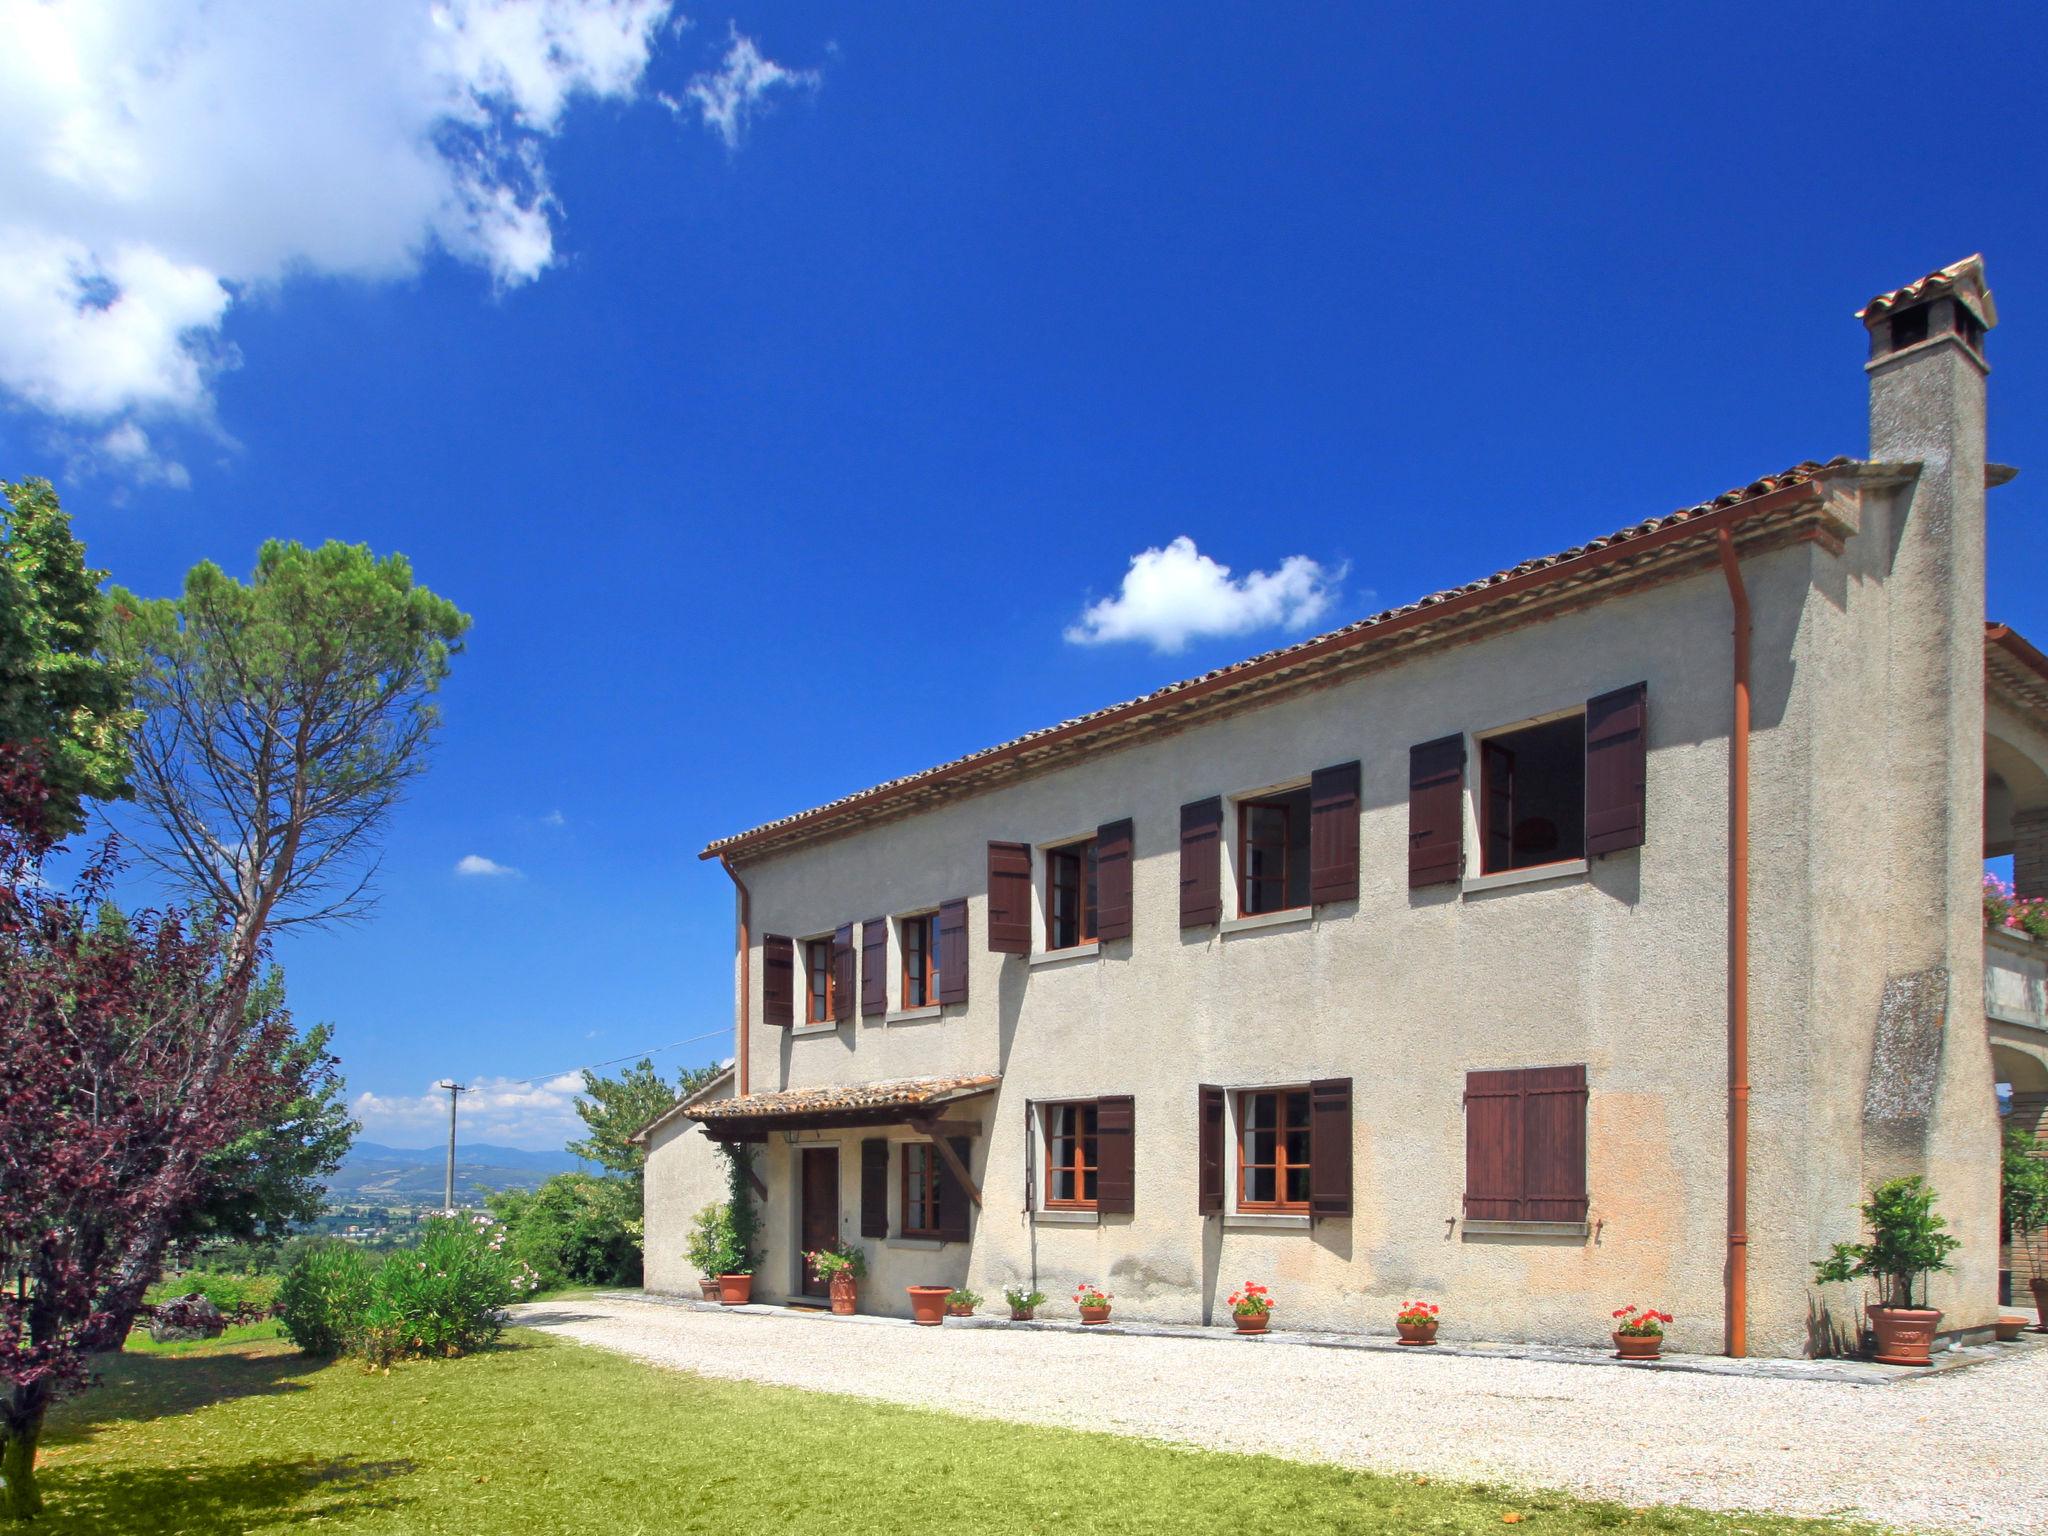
[[782, 446]]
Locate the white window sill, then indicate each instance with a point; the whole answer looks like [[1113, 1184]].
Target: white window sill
[[913, 1015], [1536, 874], [827, 1028], [1067, 1218], [1577, 1229], [1264, 1221], [1292, 917], [1085, 951], [912, 1242]]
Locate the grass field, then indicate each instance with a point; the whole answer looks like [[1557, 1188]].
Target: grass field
[[544, 1437]]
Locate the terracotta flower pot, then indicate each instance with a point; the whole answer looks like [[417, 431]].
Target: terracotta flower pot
[[735, 1290], [1022, 1314], [1094, 1315], [1417, 1333], [958, 1309], [1637, 1346], [708, 1284], [2009, 1328], [845, 1292], [1905, 1335], [2040, 1289], [928, 1304], [1251, 1322]]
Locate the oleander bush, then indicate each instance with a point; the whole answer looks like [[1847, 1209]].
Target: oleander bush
[[322, 1295]]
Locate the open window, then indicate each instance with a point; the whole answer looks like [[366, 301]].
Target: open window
[[1072, 1159], [918, 940], [1273, 851], [1273, 1151], [1071, 895], [920, 1202], [1532, 795], [821, 981]]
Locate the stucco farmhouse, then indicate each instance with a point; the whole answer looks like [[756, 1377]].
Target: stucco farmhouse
[[1600, 931]]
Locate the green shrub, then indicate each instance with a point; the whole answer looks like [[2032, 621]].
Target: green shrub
[[710, 1247], [322, 1296], [445, 1297], [224, 1288], [575, 1229]]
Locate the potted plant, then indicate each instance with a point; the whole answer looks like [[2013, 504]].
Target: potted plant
[[2008, 1328], [842, 1267], [1023, 1303], [928, 1304], [2023, 1210], [962, 1302], [1416, 1322], [1907, 1242], [1094, 1303], [1639, 1332], [709, 1243], [1251, 1308]]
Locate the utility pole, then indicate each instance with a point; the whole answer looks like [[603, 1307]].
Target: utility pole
[[454, 1088]]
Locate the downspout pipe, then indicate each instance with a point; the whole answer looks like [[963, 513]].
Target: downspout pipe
[[1737, 1308], [743, 941]]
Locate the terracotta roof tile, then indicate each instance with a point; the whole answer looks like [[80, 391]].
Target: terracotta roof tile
[[1362, 628], [1967, 275], [895, 1093]]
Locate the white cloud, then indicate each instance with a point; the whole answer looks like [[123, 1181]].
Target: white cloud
[[494, 1109], [477, 865], [160, 158], [1173, 595], [554, 819], [728, 97]]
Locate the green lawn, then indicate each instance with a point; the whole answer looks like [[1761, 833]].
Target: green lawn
[[543, 1436]]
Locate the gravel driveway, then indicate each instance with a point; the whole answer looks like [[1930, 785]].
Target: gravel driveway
[[1961, 1451]]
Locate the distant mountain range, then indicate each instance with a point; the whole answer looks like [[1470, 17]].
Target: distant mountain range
[[413, 1175]]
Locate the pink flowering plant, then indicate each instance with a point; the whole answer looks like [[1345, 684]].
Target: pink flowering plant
[[1088, 1296], [2005, 908], [1416, 1313], [1252, 1301], [1640, 1322]]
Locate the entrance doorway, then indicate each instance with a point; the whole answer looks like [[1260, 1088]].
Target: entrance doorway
[[819, 1221]]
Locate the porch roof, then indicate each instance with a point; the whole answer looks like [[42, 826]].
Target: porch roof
[[896, 1101]]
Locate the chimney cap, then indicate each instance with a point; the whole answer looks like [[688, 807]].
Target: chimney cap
[[1963, 280]]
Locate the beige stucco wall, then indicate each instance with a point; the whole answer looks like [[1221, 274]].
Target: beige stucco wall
[[1623, 968], [684, 1174]]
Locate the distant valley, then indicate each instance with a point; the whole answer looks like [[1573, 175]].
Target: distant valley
[[381, 1175]]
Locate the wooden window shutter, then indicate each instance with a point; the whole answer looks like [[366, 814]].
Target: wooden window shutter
[[874, 967], [842, 972], [1201, 862], [953, 950], [1333, 833], [874, 1187], [1617, 769], [778, 980], [1497, 782], [1116, 1182], [1493, 1146], [1113, 880], [1329, 1147], [1436, 812], [1554, 1144], [1209, 1145], [953, 1200], [1009, 898]]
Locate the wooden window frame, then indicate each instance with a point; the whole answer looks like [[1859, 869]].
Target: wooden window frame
[[1482, 790], [1081, 1167], [1266, 800], [1079, 856], [914, 1222], [926, 926], [817, 957], [1281, 1164]]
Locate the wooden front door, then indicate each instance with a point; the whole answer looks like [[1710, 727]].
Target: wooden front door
[[820, 1218]]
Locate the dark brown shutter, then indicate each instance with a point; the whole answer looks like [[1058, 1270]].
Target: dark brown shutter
[[1201, 862], [1329, 1147], [1333, 833], [1554, 1144], [874, 967], [1493, 1146], [1209, 1150], [874, 1187], [778, 980], [952, 1198], [1113, 880], [1617, 748], [1009, 898], [1116, 1183], [953, 950], [842, 972], [1497, 785], [1436, 812]]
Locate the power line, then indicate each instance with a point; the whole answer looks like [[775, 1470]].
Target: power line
[[521, 1082]]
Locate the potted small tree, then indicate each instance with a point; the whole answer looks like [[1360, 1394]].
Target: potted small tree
[[2023, 1207], [1907, 1242], [1251, 1308], [1639, 1332], [709, 1243], [842, 1267], [961, 1302], [1416, 1322], [1093, 1302], [1023, 1303]]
